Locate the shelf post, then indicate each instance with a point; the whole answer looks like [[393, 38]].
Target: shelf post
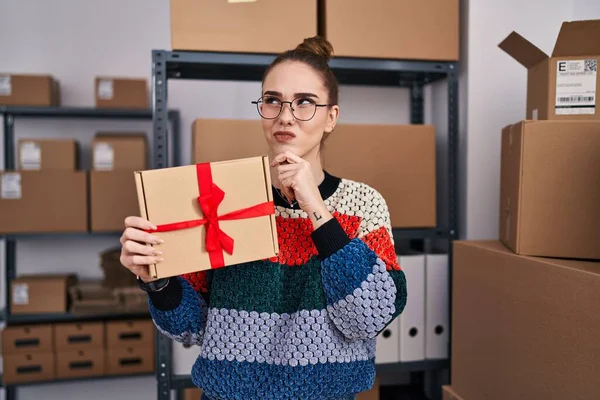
[[9, 142], [453, 150], [160, 118], [160, 159], [417, 114]]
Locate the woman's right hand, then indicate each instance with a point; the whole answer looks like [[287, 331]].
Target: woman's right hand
[[136, 252]]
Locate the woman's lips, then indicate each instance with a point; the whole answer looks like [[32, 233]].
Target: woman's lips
[[284, 136]]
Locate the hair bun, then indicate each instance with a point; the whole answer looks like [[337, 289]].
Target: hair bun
[[318, 46]]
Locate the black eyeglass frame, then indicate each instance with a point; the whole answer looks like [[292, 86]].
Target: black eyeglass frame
[[257, 102]]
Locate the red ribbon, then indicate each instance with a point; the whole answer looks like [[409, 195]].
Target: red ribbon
[[210, 198]]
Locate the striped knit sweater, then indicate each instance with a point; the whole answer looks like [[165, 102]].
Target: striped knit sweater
[[302, 325]]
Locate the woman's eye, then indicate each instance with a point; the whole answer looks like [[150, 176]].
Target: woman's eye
[[304, 102], [271, 100]]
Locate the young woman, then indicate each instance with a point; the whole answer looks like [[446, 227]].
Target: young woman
[[303, 325]]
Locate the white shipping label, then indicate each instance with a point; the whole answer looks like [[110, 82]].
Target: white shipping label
[[20, 294], [10, 186], [5, 85], [576, 87], [104, 156], [30, 156], [105, 89]]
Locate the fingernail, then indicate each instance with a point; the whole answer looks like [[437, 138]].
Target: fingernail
[[159, 241], [161, 259], [158, 253], [153, 227]]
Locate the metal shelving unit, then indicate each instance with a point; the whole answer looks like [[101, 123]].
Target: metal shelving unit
[[413, 75], [10, 115]]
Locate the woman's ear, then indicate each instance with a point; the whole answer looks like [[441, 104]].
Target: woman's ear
[[332, 117]]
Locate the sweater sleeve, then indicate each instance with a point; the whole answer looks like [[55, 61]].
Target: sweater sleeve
[[364, 285], [179, 310]]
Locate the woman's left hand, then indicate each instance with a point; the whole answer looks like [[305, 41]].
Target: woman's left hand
[[298, 182]]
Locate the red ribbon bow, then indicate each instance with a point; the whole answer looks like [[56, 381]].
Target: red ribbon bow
[[210, 198]]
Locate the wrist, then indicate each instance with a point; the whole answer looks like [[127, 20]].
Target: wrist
[[319, 214]]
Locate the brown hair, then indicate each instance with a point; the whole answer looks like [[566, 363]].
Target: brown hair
[[315, 52]]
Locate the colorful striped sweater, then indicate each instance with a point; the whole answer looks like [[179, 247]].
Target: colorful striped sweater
[[302, 325]]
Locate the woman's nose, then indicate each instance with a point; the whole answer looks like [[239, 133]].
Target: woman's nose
[[286, 115]]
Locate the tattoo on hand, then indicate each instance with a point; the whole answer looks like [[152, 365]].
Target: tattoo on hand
[[317, 216]]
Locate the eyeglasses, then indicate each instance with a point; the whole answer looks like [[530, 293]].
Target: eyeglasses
[[303, 109]]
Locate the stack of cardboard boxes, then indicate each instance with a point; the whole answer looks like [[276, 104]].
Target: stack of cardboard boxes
[[524, 324], [247, 26], [48, 193], [34, 353], [45, 91]]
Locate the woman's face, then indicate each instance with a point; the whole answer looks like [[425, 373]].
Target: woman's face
[[291, 81]]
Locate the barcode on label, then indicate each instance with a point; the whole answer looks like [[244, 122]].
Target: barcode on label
[[104, 156], [31, 156], [575, 99], [105, 89], [10, 186], [20, 294], [5, 85]]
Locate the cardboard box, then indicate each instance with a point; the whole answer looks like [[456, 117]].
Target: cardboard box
[[92, 298], [396, 160], [29, 90], [113, 197], [130, 360], [224, 139], [448, 393], [549, 188], [387, 29], [112, 92], [80, 363], [27, 339], [192, 394], [133, 333], [239, 26], [22, 368], [115, 151], [43, 201], [523, 326], [74, 337], [566, 85], [171, 195], [371, 394], [40, 294], [44, 154]]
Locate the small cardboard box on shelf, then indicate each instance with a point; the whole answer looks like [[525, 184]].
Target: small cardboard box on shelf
[[41, 294], [80, 363], [115, 156], [29, 90], [429, 30], [47, 154], [131, 333], [240, 26], [210, 215], [77, 336], [27, 339], [43, 201], [127, 93]]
